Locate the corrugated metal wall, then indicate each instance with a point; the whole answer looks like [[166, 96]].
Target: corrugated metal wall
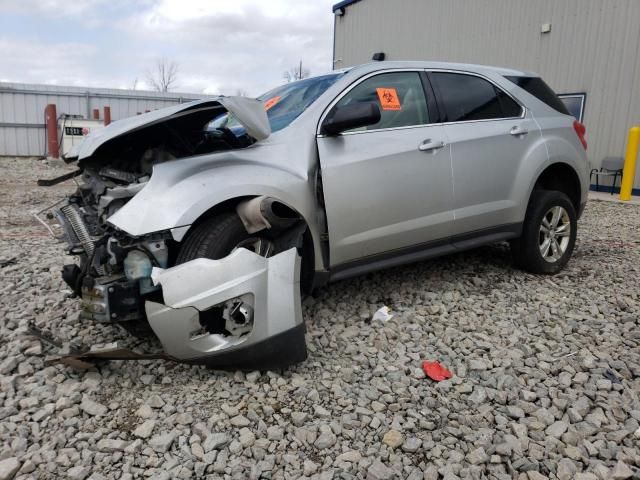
[[22, 106], [593, 47]]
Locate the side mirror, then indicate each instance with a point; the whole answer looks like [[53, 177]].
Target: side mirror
[[350, 116]]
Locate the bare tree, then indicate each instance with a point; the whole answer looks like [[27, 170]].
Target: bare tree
[[164, 75], [296, 73], [134, 84], [241, 92]]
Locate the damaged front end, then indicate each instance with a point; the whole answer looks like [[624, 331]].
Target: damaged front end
[[202, 311], [112, 276]]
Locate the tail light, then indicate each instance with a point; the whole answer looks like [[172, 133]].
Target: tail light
[[581, 132]]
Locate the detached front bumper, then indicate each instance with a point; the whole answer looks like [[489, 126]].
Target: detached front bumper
[[240, 312], [257, 298]]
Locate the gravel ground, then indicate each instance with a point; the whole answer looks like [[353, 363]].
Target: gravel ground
[[546, 372]]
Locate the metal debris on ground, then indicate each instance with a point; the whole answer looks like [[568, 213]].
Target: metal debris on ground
[[84, 358]]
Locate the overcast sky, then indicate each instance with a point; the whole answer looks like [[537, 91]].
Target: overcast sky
[[221, 46]]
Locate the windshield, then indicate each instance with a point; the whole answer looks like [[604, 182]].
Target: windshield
[[283, 104]]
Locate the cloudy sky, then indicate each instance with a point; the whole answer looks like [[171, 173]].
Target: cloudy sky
[[220, 46]]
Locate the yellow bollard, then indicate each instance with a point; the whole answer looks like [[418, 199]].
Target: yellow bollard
[[629, 172]]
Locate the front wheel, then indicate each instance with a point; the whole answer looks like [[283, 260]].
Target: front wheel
[[217, 237], [548, 233]]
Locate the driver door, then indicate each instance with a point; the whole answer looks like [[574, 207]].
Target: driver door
[[388, 186]]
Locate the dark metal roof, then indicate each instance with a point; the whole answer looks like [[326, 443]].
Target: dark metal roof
[[343, 4]]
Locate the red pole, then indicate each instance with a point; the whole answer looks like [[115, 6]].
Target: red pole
[[107, 116], [96, 114], [51, 119]]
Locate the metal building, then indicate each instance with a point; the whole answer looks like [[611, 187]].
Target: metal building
[[588, 50], [22, 107]]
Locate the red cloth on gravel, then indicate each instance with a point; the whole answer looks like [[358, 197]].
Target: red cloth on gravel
[[436, 371]]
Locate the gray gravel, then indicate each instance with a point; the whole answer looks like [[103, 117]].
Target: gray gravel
[[546, 372]]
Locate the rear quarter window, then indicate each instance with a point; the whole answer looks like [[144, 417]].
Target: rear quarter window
[[539, 89], [468, 98]]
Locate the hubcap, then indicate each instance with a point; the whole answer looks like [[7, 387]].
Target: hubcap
[[555, 232], [260, 246]]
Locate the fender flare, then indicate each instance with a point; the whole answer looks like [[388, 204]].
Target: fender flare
[[559, 152]]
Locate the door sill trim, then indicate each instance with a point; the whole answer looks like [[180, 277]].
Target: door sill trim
[[425, 251]]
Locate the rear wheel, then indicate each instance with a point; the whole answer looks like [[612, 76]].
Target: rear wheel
[[548, 233]]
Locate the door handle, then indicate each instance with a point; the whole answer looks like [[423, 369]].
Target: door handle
[[517, 130], [430, 146]]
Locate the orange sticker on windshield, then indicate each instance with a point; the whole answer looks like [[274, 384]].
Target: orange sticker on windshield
[[271, 102], [389, 99]]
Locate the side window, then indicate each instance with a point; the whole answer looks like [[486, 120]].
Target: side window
[[467, 97], [508, 105], [539, 89], [400, 97]]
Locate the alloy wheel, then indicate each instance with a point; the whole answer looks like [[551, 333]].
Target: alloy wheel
[[555, 233], [260, 246]]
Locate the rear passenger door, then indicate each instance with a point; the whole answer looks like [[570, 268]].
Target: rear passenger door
[[490, 134]]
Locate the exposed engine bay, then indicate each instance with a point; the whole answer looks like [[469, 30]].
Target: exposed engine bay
[[199, 307], [112, 261]]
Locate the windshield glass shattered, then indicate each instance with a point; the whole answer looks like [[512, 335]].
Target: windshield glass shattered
[[283, 104]]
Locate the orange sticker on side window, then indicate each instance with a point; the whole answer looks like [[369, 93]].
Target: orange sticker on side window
[[389, 99], [271, 102]]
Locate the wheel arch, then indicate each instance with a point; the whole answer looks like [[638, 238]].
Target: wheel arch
[[309, 249], [562, 177]]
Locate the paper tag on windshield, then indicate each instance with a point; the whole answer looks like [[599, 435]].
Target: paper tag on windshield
[[271, 102], [388, 99]]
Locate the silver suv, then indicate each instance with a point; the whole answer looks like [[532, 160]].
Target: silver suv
[[206, 220]]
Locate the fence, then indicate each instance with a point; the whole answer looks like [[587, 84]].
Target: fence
[[22, 110]]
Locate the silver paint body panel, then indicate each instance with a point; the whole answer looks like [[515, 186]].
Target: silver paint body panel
[[382, 193], [273, 283]]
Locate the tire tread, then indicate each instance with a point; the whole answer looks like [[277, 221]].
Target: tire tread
[[525, 250], [210, 238]]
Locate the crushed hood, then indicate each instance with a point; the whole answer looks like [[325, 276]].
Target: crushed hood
[[248, 111]]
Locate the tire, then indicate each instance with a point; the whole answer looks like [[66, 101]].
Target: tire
[[214, 238], [540, 234]]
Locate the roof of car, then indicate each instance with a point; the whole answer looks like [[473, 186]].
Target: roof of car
[[373, 66]]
